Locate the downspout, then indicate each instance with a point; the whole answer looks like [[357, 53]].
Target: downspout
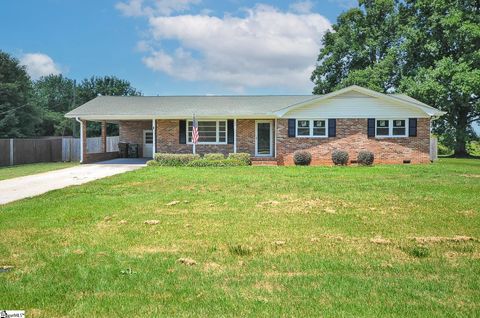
[[81, 139]]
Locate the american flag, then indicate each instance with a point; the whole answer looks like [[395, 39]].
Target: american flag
[[194, 131]]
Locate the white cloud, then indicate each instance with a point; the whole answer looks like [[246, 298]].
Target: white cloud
[[136, 8], [264, 48], [302, 6], [39, 65]]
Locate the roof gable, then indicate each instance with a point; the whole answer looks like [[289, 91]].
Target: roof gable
[[355, 101]]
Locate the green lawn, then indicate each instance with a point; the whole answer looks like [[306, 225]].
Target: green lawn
[[33, 168], [267, 241]]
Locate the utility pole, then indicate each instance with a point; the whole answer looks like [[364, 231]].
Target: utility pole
[[74, 104]]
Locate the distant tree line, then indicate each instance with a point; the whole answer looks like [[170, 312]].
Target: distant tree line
[[37, 108], [428, 49]]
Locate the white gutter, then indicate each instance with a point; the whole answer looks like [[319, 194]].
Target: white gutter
[[81, 138]]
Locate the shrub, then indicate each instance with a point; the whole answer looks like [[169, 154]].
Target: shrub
[[172, 159], [216, 163], [214, 156], [152, 163], [365, 158], [340, 157], [444, 150], [302, 158], [241, 156]]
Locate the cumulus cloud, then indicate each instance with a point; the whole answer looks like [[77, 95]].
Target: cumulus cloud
[[136, 8], [264, 47], [39, 65]]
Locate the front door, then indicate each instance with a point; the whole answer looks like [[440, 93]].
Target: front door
[[263, 138], [147, 143]]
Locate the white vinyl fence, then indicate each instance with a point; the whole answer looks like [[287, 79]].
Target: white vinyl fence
[[71, 147]]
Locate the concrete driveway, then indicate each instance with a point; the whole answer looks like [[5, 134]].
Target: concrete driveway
[[29, 186]]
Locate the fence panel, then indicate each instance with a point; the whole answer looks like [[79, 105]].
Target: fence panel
[[4, 152]]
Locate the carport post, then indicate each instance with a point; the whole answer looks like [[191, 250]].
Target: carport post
[[83, 138], [154, 137], [104, 136]]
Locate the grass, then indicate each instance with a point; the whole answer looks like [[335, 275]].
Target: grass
[[383, 241], [33, 168]]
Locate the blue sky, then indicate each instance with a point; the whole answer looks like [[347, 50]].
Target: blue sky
[[172, 47]]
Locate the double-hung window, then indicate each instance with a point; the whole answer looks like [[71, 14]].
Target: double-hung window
[[311, 128], [391, 128], [209, 131]]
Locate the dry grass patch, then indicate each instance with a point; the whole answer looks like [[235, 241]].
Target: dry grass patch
[[442, 239]]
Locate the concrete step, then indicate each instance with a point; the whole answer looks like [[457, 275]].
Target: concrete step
[[264, 161]]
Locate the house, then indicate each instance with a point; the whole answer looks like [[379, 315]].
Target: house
[[395, 127]]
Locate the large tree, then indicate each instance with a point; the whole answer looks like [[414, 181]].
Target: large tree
[[18, 115], [428, 49], [54, 94], [442, 63]]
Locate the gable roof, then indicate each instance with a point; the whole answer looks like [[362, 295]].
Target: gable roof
[[399, 99], [266, 106]]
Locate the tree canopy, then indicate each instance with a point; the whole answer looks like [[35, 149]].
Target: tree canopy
[[427, 49], [18, 114]]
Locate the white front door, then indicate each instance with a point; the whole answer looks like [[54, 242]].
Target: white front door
[[263, 138], [147, 143]]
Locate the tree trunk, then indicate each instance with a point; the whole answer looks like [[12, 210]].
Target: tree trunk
[[461, 135]]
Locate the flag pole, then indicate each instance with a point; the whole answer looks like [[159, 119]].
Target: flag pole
[[193, 142]]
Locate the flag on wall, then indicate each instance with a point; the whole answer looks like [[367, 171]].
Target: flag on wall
[[194, 131]]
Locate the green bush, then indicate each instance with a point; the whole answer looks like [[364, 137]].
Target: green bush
[[151, 163], [365, 158], [214, 156], [340, 157], [216, 163], [302, 158], [473, 148], [241, 156], [172, 159], [444, 150]]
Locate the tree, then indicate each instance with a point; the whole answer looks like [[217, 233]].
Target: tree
[[427, 49], [442, 63], [54, 96], [362, 49], [18, 115], [104, 86]]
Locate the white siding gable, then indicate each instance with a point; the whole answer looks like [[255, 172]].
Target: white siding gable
[[353, 104]]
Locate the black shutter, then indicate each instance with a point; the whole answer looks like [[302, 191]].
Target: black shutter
[[371, 127], [412, 127], [332, 127], [230, 131], [182, 131], [291, 127]]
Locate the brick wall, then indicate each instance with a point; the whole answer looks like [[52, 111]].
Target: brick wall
[[132, 132], [246, 136], [352, 137], [168, 140]]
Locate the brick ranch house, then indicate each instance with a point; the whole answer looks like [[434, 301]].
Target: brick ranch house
[[396, 128]]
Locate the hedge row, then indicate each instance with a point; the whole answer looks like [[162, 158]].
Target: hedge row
[[208, 160]]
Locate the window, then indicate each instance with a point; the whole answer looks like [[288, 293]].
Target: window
[[148, 137], [391, 128], [311, 128], [399, 128], [382, 128], [209, 131]]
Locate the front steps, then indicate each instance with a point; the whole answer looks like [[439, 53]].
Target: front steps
[[264, 161]]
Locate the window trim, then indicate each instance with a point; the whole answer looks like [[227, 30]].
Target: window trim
[[217, 132], [390, 128], [310, 135]]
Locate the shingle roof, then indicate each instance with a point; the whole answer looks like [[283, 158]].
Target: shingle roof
[[184, 106]]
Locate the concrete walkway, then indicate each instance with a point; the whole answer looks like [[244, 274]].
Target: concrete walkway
[[29, 186]]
